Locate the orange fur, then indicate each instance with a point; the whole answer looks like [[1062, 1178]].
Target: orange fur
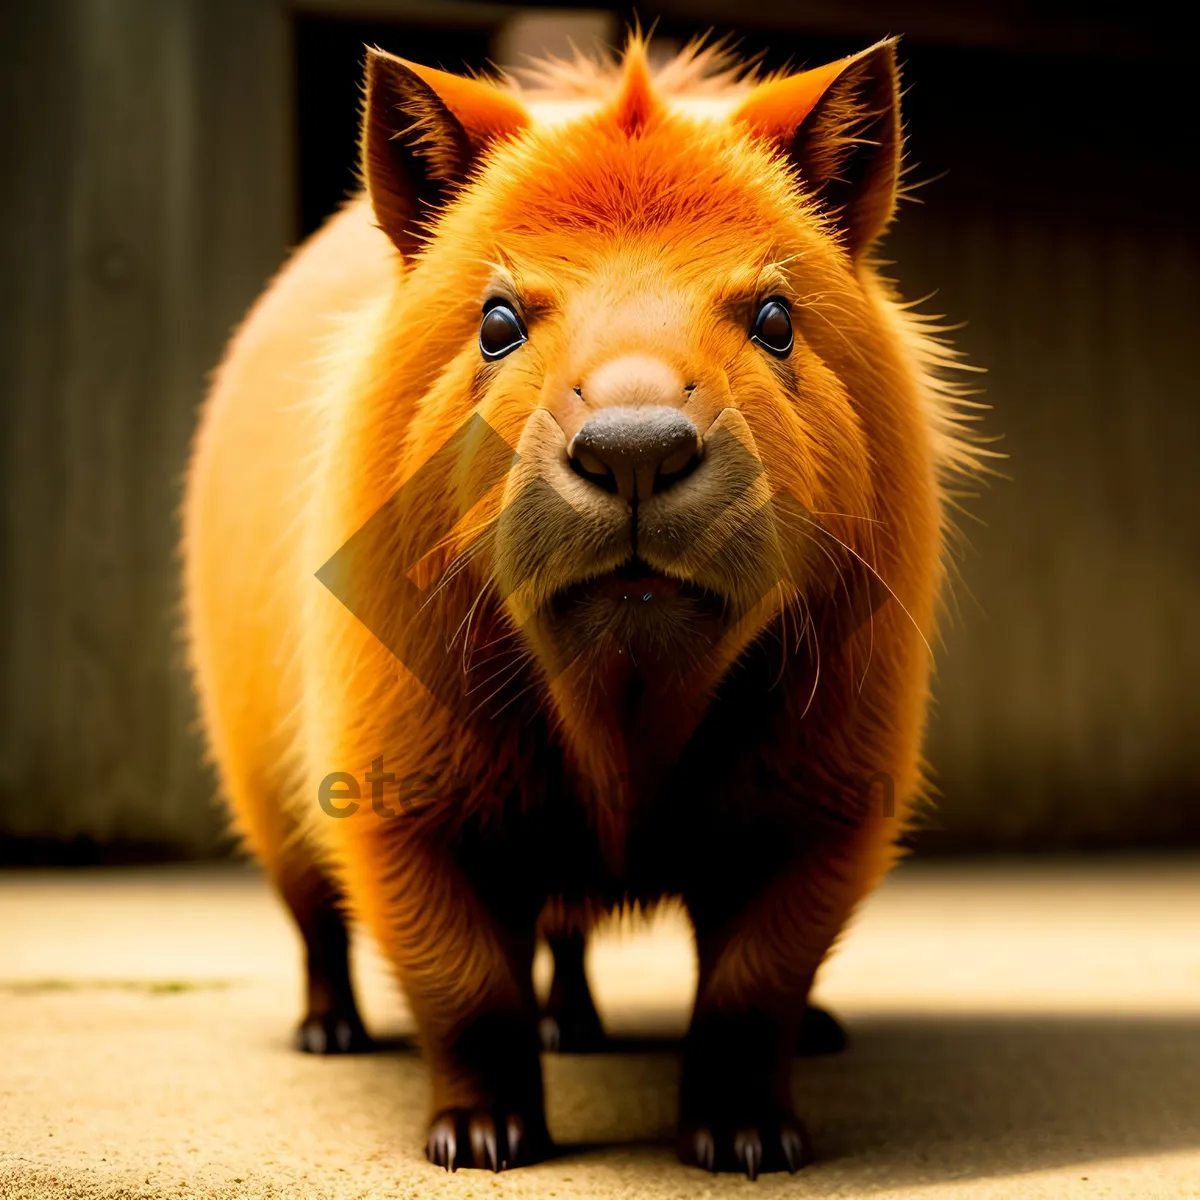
[[637, 219]]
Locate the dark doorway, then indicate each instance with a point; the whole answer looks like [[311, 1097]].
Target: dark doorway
[[329, 59]]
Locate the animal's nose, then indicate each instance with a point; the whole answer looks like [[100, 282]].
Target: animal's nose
[[635, 452]]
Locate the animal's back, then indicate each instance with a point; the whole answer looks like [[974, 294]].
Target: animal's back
[[252, 467]]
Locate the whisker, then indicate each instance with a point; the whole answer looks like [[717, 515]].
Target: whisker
[[503, 683], [851, 550], [519, 651], [783, 641], [464, 626], [847, 516], [507, 636], [810, 628], [457, 565], [516, 696]]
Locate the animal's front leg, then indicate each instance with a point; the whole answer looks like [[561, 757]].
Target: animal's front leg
[[735, 1107], [465, 965], [570, 1023], [758, 956], [487, 1088]]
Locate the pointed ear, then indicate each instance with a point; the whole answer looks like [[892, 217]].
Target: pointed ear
[[840, 125], [422, 132]]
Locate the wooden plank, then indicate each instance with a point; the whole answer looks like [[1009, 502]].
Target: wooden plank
[[153, 200]]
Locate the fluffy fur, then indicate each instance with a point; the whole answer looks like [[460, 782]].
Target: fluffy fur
[[576, 755]]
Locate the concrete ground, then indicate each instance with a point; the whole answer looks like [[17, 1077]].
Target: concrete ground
[[1017, 1031]]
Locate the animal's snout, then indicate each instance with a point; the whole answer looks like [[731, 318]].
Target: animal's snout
[[635, 452]]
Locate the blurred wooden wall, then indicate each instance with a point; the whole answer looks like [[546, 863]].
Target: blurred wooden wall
[[149, 192], [1069, 684], [146, 199]]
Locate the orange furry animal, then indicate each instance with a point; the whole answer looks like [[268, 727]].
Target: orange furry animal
[[621, 471]]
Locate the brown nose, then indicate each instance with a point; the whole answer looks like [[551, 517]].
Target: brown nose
[[635, 452]]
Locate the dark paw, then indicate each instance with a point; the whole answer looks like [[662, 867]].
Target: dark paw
[[488, 1140], [572, 1033], [333, 1033], [749, 1148], [570, 1023], [820, 1033]]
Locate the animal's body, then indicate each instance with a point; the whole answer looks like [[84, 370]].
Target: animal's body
[[654, 652]]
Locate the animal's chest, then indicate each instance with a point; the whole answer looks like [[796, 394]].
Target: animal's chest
[[642, 848], [583, 853]]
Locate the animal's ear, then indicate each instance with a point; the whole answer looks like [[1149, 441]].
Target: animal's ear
[[840, 126], [422, 132]]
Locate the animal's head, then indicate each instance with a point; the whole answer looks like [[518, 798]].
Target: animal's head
[[655, 288]]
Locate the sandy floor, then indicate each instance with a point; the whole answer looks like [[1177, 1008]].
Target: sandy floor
[[1017, 1031]]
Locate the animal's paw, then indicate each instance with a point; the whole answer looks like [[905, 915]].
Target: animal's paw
[[490, 1139], [576, 1031], [333, 1033], [749, 1148], [820, 1033]]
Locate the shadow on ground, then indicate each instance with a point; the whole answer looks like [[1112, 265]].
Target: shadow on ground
[[926, 1100]]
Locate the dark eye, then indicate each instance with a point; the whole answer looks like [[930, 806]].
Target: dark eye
[[772, 328], [500, 331]]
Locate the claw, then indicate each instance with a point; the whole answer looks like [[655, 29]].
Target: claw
[[748, 1150], [331, 1034], [791, 1142], [312, 1038], [766, 1143], [483, 1142], [441, 1147], [491, 1140], [514, 1131]]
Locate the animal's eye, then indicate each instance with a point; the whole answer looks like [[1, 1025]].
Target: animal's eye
[[500, 331], [772, 328]]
